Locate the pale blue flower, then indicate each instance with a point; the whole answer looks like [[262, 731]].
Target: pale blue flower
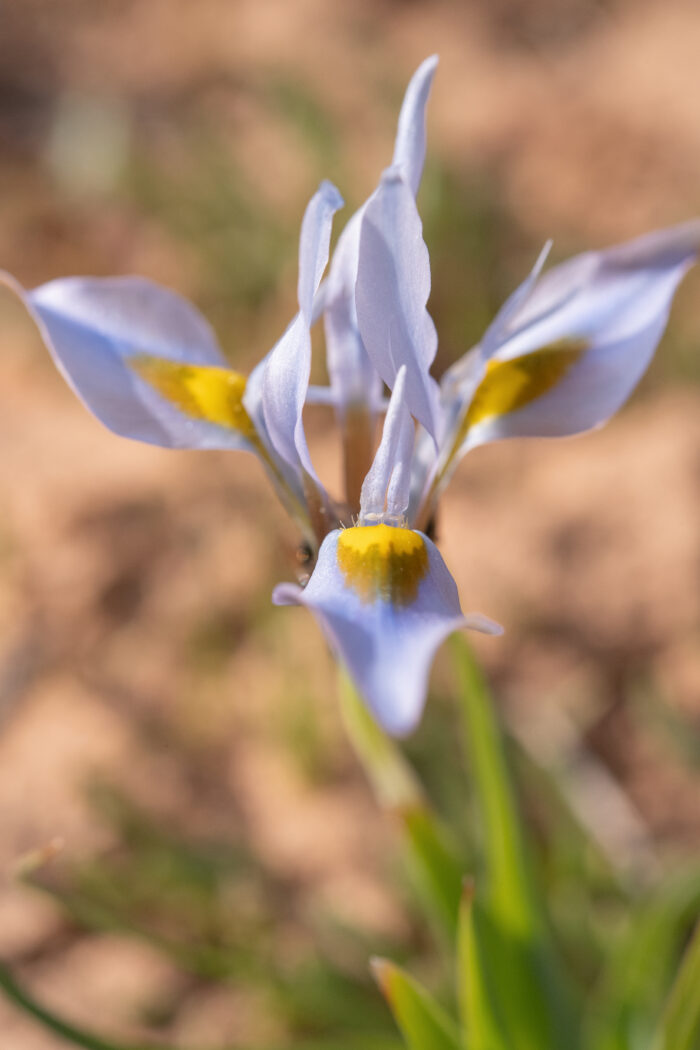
[[562, 355]]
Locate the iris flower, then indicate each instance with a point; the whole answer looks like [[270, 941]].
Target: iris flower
[[562, 355]]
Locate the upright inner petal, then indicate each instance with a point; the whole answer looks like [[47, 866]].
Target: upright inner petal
[[203, 392], [383, 562]]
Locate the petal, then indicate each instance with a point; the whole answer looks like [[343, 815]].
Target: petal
[[314, 244], [143, 360], [597, 295], [409, 150], [385, 600], [285, 377], [498, 329], [393, 285], [353, 377], [386, 488], [578, 342]]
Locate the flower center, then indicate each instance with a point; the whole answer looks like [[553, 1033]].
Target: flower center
[[382, 562]]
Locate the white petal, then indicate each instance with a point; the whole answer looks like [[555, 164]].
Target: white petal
[[498, 329], [101, 331], [385, 628], [353, 376], [314, 244], [393, 285], [387, 485], [581, 338], [285, 380], [617, 291], [285, 377], [409, 150]]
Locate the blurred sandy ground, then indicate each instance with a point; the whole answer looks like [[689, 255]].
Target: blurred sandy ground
[[181, 141]]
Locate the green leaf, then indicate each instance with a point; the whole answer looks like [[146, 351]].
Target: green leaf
[[422, 1022], [475, 983], [431, 852], [625, 1005], [534, 997], [435, 865], [680, 1028]]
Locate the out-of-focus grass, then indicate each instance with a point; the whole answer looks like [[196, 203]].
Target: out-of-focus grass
[[302, 109], [242, 246], [219, 915]]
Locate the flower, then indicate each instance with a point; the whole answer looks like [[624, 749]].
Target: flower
[[380, 590], [562, 355]]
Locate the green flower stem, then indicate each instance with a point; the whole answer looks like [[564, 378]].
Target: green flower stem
[[428, 844]]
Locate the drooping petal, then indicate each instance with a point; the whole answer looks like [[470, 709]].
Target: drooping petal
[[143, 360], [386, 488], [579, 340], [409, 150], [285, 378], [385, 600], [393, 286]]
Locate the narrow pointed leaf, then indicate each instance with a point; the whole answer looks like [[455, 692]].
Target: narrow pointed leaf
[[630, 990], [680, 1028], [534, 996], [422, 1021], [475, 988]]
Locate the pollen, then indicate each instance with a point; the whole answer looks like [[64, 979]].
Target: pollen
[[203, 392], [382, 562]]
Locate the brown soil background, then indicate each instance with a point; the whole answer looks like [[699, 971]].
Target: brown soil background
[[136, 641]]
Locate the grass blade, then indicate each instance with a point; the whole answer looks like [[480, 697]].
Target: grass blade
[[475, 991], [422, 1022], [65, 1030], [631, 987], [536, 1002], [680, 1028]]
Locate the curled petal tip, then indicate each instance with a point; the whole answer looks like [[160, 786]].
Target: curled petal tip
[[331, 195], [482, 624], [287, 594]]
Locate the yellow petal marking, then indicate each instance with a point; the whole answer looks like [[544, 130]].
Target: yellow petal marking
[[509, 385], [383, 562], [204, 392]]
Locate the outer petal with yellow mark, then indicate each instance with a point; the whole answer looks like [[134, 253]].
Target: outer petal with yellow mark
[[570, 346], [385, 601], [143, 360]]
